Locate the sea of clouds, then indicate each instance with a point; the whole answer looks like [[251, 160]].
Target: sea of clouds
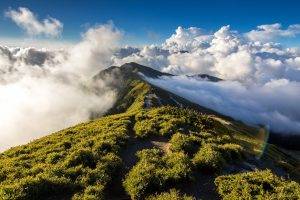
[[44, 90]]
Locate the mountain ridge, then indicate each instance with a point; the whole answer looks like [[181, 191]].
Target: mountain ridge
[[129, 71], [150, 146], [134, 70]]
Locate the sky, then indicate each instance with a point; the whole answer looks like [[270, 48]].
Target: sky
[[147, 22]]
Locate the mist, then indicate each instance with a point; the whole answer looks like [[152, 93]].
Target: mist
[[42, 91]]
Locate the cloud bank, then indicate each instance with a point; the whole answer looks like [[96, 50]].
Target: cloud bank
[[269, 32], [42, 91], [274, 104], [25, 19]]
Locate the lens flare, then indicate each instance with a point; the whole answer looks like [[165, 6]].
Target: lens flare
[[262, 140]]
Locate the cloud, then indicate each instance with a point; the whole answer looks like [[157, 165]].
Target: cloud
[[39, 43], [226, 53], [42, 90], [95, 50], [25, 19], [274, 104], [151, 55], [269, 32], [186, 39]]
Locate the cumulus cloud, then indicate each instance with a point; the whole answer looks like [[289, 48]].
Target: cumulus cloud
[[42, 91], [274, 104], [186, 39], [226, 53], [148, 55], [95, 50], [25, 19], [269, 32]]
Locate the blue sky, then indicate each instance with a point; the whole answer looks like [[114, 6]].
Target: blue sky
[[153, 21]]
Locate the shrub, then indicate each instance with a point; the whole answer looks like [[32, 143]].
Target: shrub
[[154, 172], [83, 157], [168, 127], [182, 142], [204, 135], [142, 179], [102, 173], [256, 185], [94, 192], [54, 157], [177, 167], [166, 121], [171, 195], [37, 188], [145, 128], [231, 151], [208, 159], [219, 139]]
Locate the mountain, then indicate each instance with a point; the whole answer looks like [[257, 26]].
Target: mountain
[[151, 144], [129, 81], [205, 77]]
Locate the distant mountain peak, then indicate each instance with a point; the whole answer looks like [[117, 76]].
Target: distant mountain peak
[[205, 77], [131, 69]]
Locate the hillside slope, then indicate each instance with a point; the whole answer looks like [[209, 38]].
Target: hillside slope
[[151, 145]]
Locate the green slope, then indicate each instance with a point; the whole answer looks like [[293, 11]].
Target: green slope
[[151, 145]]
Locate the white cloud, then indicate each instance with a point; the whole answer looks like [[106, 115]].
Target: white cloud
[[39, 43], [186, 39], [25, 19], [148, 55], [42, 91], [95, 50], [269, 32]]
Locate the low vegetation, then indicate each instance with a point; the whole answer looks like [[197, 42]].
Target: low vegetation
[[155, 171], [79, 162], [171, 195], [186, 143], [208, 159], [257, 185], [168, 120]]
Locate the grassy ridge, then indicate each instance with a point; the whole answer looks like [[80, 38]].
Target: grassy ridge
[[81, 162]]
